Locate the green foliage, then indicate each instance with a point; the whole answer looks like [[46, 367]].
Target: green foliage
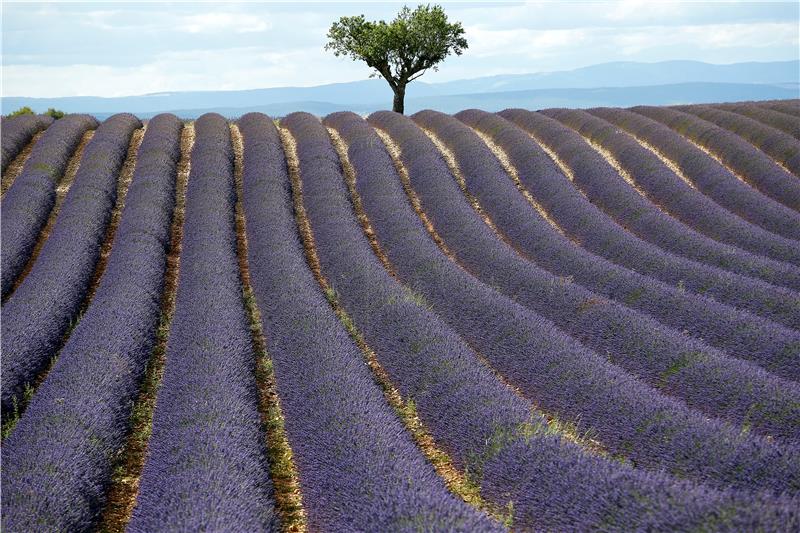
[[22, 111], [402, 50], [25, 110], [55, 113]]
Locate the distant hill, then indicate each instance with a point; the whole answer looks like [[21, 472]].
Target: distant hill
[[617, 84]]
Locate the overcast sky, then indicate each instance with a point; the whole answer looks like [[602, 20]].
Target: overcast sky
[[115, 49]]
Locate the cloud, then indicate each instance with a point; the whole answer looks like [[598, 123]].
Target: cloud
[[222, 22]]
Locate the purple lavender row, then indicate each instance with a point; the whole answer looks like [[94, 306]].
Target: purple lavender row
[[359, 470], [769, 117], [39, 313], [557, 372], [485, 423], [18, 131], [638, 286], [753, 165], [664, 188], [57, 462], [206, 467], [710, 177], [27, 203], [788, 107], [780, 146], [704, 378], [603, 186]]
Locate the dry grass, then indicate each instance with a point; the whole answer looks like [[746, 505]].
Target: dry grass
[[283, 471], [61, 192], [15, 167], [121, 497], [455, 480]]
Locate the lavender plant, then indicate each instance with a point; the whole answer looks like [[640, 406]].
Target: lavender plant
[[664, 188], [780, 146], [17, 132], [602, 185], [710, 177], [30, 198], [765, 115], [661, 356], [563, 376], [359, 470], [57, 462], [206, 465], [42, 309], [753, 165]]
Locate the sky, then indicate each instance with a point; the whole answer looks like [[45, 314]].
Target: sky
[[116, 49]]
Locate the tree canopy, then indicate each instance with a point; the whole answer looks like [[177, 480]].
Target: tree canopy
[[402, 50]]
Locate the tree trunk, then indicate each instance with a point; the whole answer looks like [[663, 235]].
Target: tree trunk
[[399, 98]]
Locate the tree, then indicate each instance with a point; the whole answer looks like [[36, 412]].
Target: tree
[[55, 113], [22, 111], [400, 51]]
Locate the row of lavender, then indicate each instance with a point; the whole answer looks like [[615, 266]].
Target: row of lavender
[[41, 310], [18, 131], [58, 460]]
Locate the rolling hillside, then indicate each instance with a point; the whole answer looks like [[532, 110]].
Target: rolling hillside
[[562, 320]]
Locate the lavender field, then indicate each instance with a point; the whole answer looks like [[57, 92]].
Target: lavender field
[[555, 320]]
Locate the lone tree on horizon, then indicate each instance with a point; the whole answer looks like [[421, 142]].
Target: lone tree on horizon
[[400, 51]]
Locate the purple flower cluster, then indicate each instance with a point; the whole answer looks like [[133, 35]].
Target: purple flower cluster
[[359, 469], [706, 379], [206, 466], [736, 332], [710, 178], [27, 203], [57, 461], [751, 163], [603, 186], [781, 146], [564, 487], [765, 115], [563, 376], [688, 205], [18, 131], [788, 107], [39, 313]]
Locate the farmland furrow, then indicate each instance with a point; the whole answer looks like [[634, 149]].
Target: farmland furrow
[[358, 468], [16, 165], [709, 176], [553, 369], [29, 200], [165, 200], [781, 147], [600, 183], [660, 356], [206, 464], [416, 354], [662, 187], [47, 304], [58, 461], [769, 117], [285, 479], [17, 132], [748, 162]]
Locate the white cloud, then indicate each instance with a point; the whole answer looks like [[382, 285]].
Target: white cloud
[[218, 22]]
